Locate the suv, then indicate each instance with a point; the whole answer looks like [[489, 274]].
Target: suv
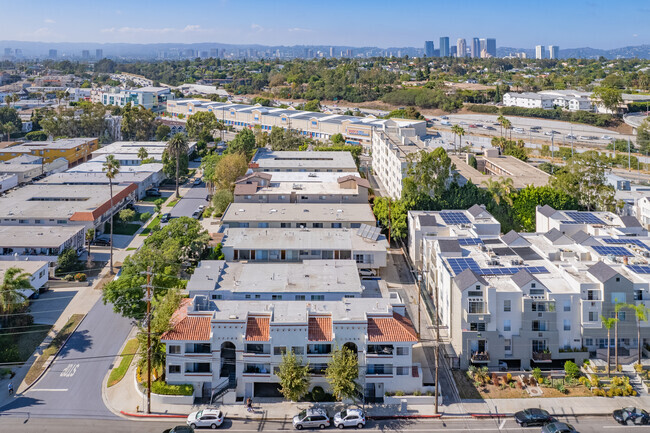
[[533, 416], [153, 192], [366, 272], [350, 418], [101, 242], [311, 418], [197, 214], [212, 418]]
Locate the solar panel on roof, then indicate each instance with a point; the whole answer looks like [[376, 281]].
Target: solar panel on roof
[[458, 265], [615, 251], [454, 218], [639, 269], [369, 232], [470, 241], [584, 217], [625, 241], [513, 270]]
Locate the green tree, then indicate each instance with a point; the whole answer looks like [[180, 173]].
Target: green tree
[[643, 136], [138, 123], [337, 139], [287, 139], [201, 125], [176, 148], [229, 168], [162, 132], [313, 105], [608, 323], [571, 370], [458, 132], [8, 128], [244, 142], [90, 235], [527, 199], [294, 376], [11, 296], [584, 178], [430, 171], [68, 261], [158, 204], [406, 113], [111, 167], [500, 189], [220, 201], [127, 215], [342, 373], [641, 313], [142, 154], [610, 97]]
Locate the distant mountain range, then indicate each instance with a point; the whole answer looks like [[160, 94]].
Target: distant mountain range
[[73, 50]]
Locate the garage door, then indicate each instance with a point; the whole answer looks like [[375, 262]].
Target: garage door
[[265, 389]]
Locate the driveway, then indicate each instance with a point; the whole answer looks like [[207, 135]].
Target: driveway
[[49, 306]]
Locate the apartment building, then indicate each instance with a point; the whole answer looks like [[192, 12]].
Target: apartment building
[[527, 100], [234, 345], [526, 300], [150, 97], [298, 215], [38, 274], [266, 160], [595, 223], [41, 243], [301, 187], [75, 150], [28, 167], [7, 181], [126, 152], [366, 246], [571, 100]]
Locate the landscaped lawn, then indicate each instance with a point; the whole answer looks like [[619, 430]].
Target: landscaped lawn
[[28, 342], [127, 355], [150, 199], [154, 223], [173, 202], [126, 229]]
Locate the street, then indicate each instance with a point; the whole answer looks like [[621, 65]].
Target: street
[[25, 424], [72, 385]]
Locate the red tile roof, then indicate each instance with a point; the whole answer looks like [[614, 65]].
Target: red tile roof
[[320, 328], [190, 328], [257, 329], [102, 209], [389, 329]]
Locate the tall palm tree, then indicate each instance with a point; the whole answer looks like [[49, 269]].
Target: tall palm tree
[[507, 125], [142, 154], [500, 121], [500, 189], [177, 146], [641, 313], [111, 167], [608, 323], [14, 281], [458, 131], [90, 235]]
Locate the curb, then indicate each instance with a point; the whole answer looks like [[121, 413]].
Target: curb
[[382, 417], [54, 356], [489, 415], [152, 415]]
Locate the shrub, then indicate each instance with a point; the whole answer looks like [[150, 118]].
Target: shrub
[[163, 388], [399, 393], [417, 393], [69, 277], [595, 381], [36, 136], [145, 217], [638, 367], [571, 370], [478, 108], [318, 394], [508, 377], [537, 373], [560, 387], [512, 385], [80, 277]]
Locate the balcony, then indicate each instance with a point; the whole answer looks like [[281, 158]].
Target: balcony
[[480, 357], [257, 369], [257, 349], [476, 317], [200, 348], [380, 349], [542, 356]]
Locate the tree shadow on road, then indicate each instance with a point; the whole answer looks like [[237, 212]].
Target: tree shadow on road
[[15, 409], [79, 341]]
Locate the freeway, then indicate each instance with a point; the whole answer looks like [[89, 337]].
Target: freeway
[[72, 386], [27, 425]]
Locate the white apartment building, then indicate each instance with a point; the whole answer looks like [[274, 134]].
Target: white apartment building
[[236, 346], [595, 223], [38, 273], [301, 187], [8, 181], [527, 100], [571, 100], [44, 243], [266, 160], [151, 98], [126, 152], [523, 300]]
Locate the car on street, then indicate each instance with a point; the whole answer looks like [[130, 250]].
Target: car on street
[[533, 416], [606, 137], [197, 214], [632, 415], [350, 418], [535, 128], [519, 130], [211, 418], [549, 133], [153, 192], [197, 181], [558, 427], [164, 218], [584, 137], [488, 127], [571, 136], [311, 418], [472, 126], [179, 429], [444, 117], [101, 242], [445, 123], [366, 272]]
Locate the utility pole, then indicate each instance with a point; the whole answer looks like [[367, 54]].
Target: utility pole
[[629, 156], [552, 155], [148, 286], [419, 288]]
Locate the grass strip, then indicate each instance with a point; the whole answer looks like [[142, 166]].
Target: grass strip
[[127, 355]]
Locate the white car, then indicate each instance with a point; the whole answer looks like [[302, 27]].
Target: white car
[[366, 272], [584, 137], [571, 136], [606, 137], [518, 130], [212, 418], [350, 418]]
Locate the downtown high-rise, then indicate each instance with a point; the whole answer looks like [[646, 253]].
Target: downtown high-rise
[[461, 47], [428, 48], [444, 46]]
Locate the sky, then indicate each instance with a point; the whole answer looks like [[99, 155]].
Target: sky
[[516, 23]]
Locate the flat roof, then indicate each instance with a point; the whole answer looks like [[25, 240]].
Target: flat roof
[[297, 239], [95, 166], [521, 173], [278, 277], [267, 212], [303, 160], [36, 236], [29, 266], [89, 178], [64, 143]]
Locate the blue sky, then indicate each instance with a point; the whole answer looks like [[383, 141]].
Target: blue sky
[[522, 23]]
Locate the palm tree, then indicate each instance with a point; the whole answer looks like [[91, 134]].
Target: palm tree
[[500, 121], [90, 235], [177, 147], [641, 313], [8, 128], [111, 167], [608, 323], [458, 131], [508, 125], [142, 154], [617, 308], [14, 281], [500, 189]]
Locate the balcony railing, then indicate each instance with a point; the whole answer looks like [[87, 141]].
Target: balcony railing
[[480, 357], [542, 356]]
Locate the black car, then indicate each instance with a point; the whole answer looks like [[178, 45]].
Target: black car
[[533, 416], [101, 242], [180, 429], [558, 427], [631, 414], [153, 192], [165, 217]]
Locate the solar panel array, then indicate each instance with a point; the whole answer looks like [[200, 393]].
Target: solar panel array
[[625, 241], [470, 241], [369, 232], [569, 222], [615, 251], [584, 218], [459, 265], [639, 269], [454, 218]]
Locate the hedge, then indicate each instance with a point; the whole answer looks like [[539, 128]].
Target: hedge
[[163, 388], [479, 108]]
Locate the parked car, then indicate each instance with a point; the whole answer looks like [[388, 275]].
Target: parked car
[[366, 272], [212, 418], [197, 214], [153, 192], [101, 242], [165, 217], [201, 207], [631, 414], [197, 181], [311, 418], [179, 429], [533, 416], [350, 418], [558, 427]]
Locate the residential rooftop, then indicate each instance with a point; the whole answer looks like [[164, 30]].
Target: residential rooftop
[[36, 236], [303, 161], [298, 212]]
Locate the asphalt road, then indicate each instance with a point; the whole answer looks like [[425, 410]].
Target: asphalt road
[[583, 425], [72, 386], [191, 201]]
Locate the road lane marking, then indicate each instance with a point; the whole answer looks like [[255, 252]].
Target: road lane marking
[[503, 423], [70, 370], [49, 389]]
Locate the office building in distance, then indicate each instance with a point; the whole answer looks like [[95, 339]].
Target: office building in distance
[[553, 52], [540, 52], [444, 46], [428, 48]]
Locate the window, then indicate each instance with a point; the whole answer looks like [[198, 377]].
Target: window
[[257, 296], [336, 225], [285, 225], [567, 324], [174, 349], [402, 371], [539, 325], [317, 225], [536, 292], [263, 225], [402, 351], [589, 341], [475, 294], [567, 305], [317, 297], [593, 316], [506, 325], [533, 285], [300, 297], [279, 350], [216, 296], [298, 350], [319, 349], [618, 297], [276, 297], [476, 307], [355, 225], [359, 258], [507, 305], [322, 197], [507, 345], [174, 369], [480, 327], [247, 296]]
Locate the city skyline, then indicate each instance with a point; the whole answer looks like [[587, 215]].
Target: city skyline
[[121, 22]]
